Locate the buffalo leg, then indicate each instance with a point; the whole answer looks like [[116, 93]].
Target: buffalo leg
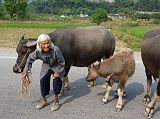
[[108, 87], [149, 110], [65, 82], [120, 90], [147, 98]]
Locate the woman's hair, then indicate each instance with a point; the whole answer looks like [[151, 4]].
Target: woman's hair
[[43, 37]]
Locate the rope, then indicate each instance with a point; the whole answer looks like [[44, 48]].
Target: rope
[[26, 80], [18, 66]]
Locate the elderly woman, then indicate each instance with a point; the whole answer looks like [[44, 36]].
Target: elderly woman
[[53, 64]]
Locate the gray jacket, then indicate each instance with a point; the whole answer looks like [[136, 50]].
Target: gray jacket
[[53, 60]]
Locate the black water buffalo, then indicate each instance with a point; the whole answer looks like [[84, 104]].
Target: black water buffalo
[[80, 46], [150, 53]]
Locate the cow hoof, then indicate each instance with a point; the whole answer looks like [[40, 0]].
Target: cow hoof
[[104, 100], [148, 112], [66, 87], [91, 84], [147, 99], [118, 109]]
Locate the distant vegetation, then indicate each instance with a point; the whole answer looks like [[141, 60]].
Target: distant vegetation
[[37, 25], [32, 17], [129, 31], [20, 9]]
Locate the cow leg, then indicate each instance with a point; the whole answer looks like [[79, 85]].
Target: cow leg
[[121, 86], [108, 87], [116, 94], [147, 98], [65, 82], [149, 110]]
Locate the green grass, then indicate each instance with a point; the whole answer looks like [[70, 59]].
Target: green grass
[[38, 25], [138, 31], [133, 36], [129, 31]]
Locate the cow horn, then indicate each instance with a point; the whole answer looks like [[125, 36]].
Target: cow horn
[[23, 36], [31, 43]]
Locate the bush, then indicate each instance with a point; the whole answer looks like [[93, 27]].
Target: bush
[[156, 16], [143, 16], [156, 21], [2, 11], [99, 16]]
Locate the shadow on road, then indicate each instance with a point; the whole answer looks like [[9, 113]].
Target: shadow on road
[[133, 90], [78, 89]]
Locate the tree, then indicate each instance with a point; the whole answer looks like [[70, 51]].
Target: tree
[[99, 16], [21, 8], [10, 7], [2, 10], [16, 8]]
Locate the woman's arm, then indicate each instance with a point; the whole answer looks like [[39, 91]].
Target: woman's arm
[[32, 57], [60, 61]]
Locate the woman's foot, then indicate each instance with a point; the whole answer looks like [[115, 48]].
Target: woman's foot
[[42, 104], [55, 106]]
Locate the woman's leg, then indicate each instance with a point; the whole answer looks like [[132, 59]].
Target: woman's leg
[[57, 85], [45, 88]]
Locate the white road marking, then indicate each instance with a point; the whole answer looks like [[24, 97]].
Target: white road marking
[[7, 57]]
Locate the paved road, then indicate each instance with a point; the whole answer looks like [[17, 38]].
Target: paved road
[[78, 103]]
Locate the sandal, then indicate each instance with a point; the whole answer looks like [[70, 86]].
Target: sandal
[[55, 106]]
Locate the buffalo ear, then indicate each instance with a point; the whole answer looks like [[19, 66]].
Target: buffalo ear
[[31, 43], [96, 65], [23, 36]]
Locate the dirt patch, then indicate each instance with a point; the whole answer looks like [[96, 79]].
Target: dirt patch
[[10, 36]]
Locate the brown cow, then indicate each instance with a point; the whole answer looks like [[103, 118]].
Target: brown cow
[[150, 52], [118, 68]]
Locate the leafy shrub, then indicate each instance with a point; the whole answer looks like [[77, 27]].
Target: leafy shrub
[[99, 16], [156, 21]]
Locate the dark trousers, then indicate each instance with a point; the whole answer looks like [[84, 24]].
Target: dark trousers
[[45, 84]]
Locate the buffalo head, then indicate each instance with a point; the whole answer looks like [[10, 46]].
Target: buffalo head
[[24, 48], [92, 72]]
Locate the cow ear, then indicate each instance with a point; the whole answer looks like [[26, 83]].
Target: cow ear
[[22, 37], [31, 43], [96, 65]]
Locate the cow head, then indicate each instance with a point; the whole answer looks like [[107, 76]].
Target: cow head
[[24, 48], [92, 72]]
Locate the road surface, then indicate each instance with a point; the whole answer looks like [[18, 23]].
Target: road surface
[[78, 103]]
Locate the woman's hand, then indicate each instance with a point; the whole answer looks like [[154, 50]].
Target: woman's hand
[[26, 78], [24, 73], [56, 75]]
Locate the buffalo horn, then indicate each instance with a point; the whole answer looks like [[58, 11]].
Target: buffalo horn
[[31, 43]]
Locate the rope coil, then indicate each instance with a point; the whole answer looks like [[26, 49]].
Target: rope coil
[[26, 80]]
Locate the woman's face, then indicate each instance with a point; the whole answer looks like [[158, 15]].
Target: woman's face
[[45, 45]]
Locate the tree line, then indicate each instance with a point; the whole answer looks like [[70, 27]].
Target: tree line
[[23, 8]]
